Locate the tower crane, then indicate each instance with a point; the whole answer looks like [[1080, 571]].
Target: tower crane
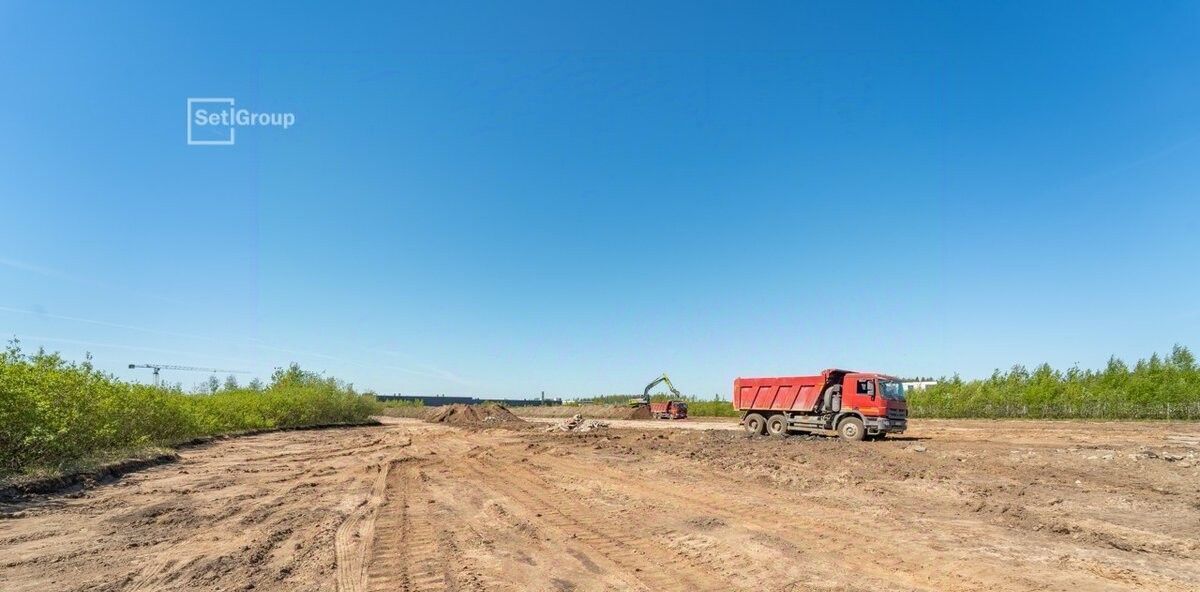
[[157, 367]]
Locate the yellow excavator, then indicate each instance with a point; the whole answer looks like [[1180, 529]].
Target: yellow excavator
[[673, 409]]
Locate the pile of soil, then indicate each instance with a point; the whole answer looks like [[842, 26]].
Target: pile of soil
[[640, 412], [471, 415]]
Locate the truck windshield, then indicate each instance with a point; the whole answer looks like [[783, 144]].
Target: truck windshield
[[892, 390]]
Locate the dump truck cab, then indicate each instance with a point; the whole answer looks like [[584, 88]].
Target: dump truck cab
[[857, 405], [878, 400]]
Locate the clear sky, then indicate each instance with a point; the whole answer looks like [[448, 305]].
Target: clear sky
[[511, 197]]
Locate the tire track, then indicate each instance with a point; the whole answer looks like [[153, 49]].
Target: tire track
[[709, 555], [650, 566], [146, 579], [355, 536], [775, 530], [731, 562], [407, 554]]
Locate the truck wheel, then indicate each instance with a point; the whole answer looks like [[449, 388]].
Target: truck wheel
[[754, 424], [851, 429], [777, 425]]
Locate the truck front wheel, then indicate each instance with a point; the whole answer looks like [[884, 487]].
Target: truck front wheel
[[777, 425], [851, 429], [754, 424]]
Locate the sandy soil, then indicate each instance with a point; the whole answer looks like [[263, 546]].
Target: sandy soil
[[416, 506]]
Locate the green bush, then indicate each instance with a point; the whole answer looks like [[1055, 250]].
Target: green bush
[[1156, 388], [56, 414], [403, 408], [712, 408]]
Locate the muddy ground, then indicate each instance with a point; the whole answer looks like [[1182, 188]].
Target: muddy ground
[[957, 505]]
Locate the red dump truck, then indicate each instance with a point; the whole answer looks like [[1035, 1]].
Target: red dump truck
[[857, 405], [668, 409]]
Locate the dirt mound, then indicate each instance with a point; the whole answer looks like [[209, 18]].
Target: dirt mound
[[640, 412], [471, 415]]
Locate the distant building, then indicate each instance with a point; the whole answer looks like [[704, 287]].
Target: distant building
[[917, 385]]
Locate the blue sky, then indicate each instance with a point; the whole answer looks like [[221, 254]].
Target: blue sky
[[512, 197]]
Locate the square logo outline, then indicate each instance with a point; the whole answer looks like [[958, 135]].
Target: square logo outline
[[190, 141]]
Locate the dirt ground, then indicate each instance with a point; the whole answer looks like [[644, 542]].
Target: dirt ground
[[955, 505]]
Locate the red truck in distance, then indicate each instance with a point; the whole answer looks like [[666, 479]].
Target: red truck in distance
[[858, 405], [668, 409]]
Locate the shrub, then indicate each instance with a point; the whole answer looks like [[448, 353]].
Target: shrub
[[55, 414], [1156, 388]]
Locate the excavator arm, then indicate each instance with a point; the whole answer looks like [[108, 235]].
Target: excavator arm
[[657, 381]]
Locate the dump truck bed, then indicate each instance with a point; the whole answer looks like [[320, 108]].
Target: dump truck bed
[[777, 393], [669, 409]]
